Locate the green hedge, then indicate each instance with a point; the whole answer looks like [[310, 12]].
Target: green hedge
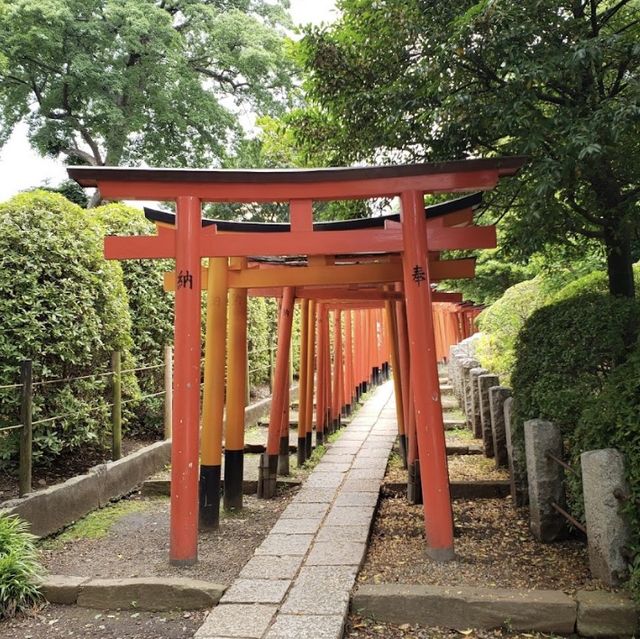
[[151, 310], [501, 322], [611, 419], [565, 352], [64, 307], [578, 365]]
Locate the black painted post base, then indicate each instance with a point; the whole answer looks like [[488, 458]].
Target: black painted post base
[[337, 424], [267, 476], [302, 451], [233, 472], [209, 497], [283, 456], [402, 445], [319, 438], [309, 444], [414, 487]]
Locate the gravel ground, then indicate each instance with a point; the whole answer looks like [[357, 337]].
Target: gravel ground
[[493, 548], [359, 628], [62, 622], [136, 543], [461, 468]]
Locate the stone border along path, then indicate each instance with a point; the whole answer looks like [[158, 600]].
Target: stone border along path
[[299, 580]]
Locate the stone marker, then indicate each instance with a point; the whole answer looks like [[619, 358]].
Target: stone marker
[[608, 532], [463, 607], [606, 614], [546, 479], [517, 463], [497, 397], [467, 403], [485, 383], [476, 421]]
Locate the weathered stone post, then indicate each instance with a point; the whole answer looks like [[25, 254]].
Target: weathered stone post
[[608, 533], [498, 395], [485, 383], [467, 403], [546, 479], [476, 421], [517, 462]]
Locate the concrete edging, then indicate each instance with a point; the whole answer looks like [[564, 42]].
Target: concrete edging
[[594, 614], [140, 593], [53, 508], [481, 489]]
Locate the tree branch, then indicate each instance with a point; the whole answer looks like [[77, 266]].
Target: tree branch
[[611, 11], [79, 153]]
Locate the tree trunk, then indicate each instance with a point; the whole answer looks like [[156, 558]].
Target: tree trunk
[[619, 263], [95, 199]]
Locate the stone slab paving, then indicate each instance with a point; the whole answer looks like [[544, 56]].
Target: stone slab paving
[[297, 584]]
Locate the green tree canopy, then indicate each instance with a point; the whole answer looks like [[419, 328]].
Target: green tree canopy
[[108, 82], [557, 81]]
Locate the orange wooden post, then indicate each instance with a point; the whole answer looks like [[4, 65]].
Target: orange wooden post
[[405, 378], [397, 379], [320, 378], [337, 366], [346, 382], [303, 382], [349, 375], [268, 470], [424, 376], [236, 394], [311, 344], [186, 406], [213, 393], [328, 402]]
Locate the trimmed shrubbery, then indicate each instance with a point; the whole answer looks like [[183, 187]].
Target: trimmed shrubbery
[[64, 307]]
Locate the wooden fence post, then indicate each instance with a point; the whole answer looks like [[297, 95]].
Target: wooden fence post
[[26, 378], [116, 411], [168, 389]]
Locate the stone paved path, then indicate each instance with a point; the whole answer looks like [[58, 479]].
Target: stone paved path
[[298, 582]]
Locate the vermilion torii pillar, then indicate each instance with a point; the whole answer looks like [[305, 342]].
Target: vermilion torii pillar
[[190, 242]]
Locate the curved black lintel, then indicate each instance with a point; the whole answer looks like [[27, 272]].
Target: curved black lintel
[[435, 210]]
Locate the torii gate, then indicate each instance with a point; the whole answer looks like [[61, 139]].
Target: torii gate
[[190, 242]]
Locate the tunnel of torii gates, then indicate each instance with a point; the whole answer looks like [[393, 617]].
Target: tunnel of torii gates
[[349, 271]]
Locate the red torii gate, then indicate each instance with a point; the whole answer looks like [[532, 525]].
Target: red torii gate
[[190, 242]]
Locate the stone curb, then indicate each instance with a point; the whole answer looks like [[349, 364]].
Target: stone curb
[[162, 487], [255, 412], [590, 613], [140, 593], [464, 489], [53, 508]]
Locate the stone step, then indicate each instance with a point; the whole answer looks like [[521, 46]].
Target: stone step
[[452, 424]]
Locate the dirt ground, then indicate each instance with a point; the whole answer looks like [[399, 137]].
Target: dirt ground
[[65, 468], [359, 628], [62, 622], [133, 541]]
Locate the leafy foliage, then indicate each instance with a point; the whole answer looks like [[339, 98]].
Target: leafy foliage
[[64, 307], [125, 81], [557, 81], [19, 567], [566, 351], [151, 311], [611, 419], [501, 323], [494, 275]]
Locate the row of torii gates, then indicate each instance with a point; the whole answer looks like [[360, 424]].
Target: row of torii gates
[[355, 269]]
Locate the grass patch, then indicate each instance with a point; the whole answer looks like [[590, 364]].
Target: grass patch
[[460, 433], [96, 524], [395, 461]]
